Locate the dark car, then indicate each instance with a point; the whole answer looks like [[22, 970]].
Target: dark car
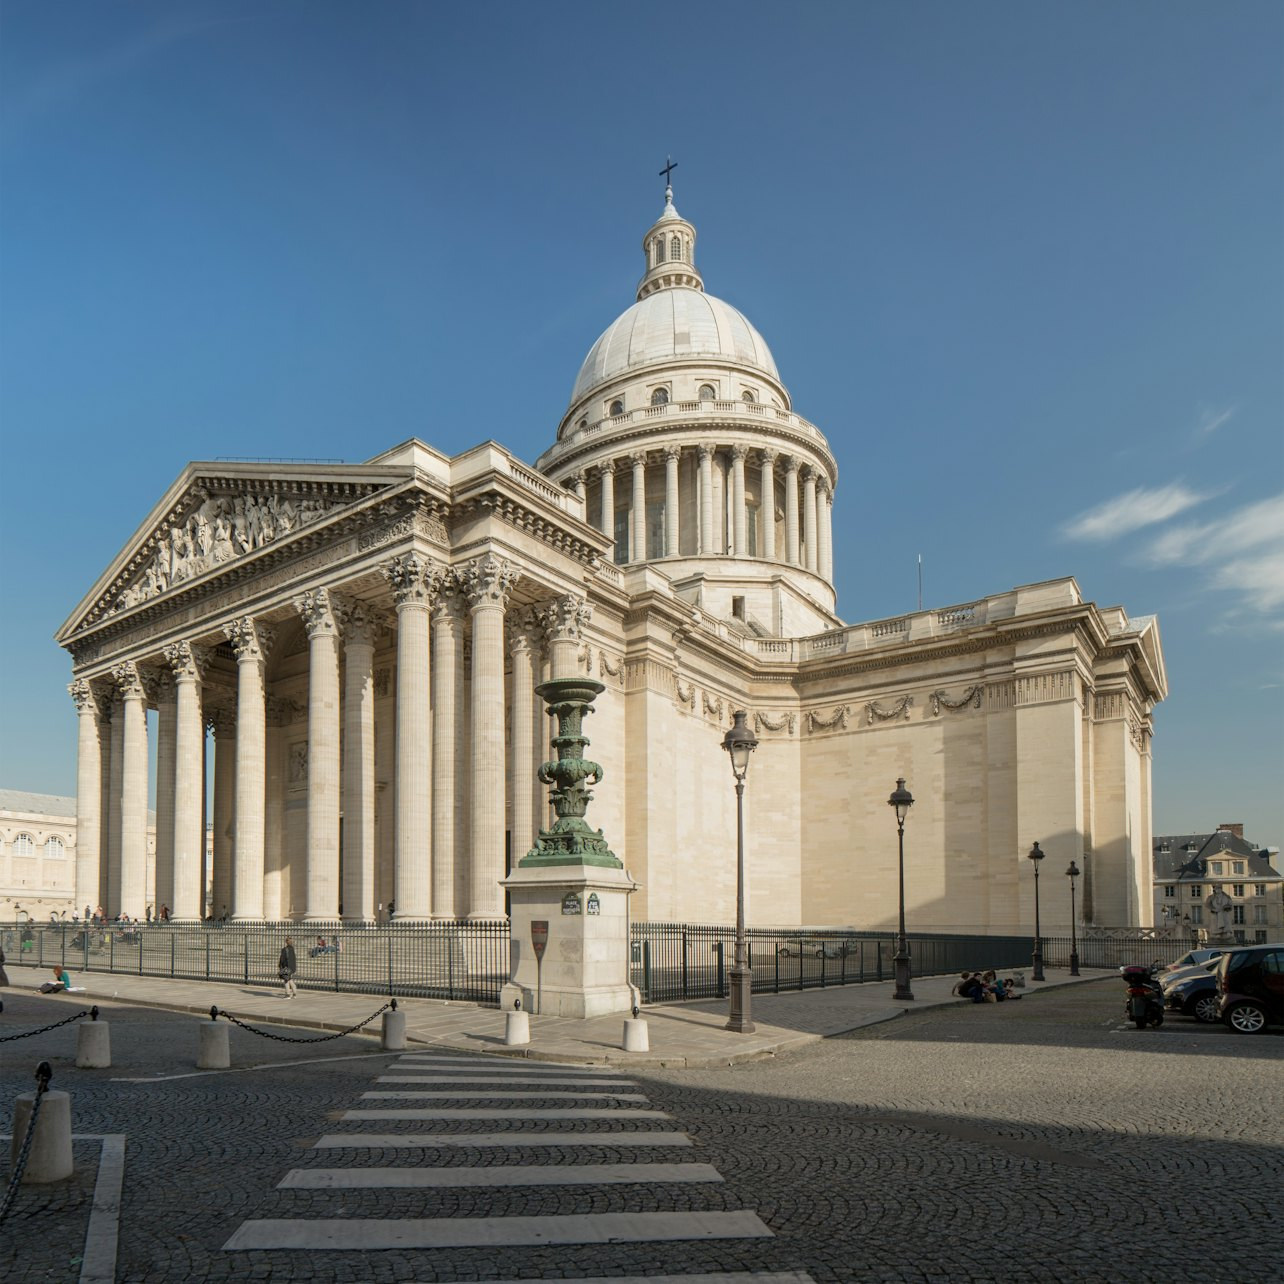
[[1193, 993], [1250, 986]]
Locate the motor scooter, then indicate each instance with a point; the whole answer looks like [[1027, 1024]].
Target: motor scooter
[[1145, 1005]]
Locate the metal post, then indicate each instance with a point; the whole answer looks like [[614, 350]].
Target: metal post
[[740, 1017], [901, 960], [1037, 972], [1072, 873]]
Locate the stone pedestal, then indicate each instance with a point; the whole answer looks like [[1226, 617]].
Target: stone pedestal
[[394, 1031], [93, 1045], [585, 970], [50, 1156], [213, 1048]]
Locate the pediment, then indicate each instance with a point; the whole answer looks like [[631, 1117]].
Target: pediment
[[217, 516]]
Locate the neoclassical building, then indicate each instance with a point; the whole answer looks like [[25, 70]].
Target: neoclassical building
[[364, 642]]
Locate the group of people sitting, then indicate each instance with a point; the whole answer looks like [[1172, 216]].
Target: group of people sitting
[[324, 947], [985, 987]]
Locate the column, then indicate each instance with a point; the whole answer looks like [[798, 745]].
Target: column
[[564, 623], [274, 865], [718, 491], [824, 530], [791, 511], [89, 766], [222, 722], [704, 453], [133, 792], [116, 766], [166, 741], [523, 626], [767, 505], [357, 894], [809, 517], [321, 620], [607, 473], [637, 515], [739, 514], [488, 581], [447, 710], [251, 642], [672, 522], [187, 663]]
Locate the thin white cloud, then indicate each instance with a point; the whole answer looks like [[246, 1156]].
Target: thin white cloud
[[1132, 511], [1211, 419]]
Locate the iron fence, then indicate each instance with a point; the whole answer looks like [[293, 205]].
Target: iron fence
[[449, 959]]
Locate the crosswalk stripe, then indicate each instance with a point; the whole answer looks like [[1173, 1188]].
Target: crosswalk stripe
[[587, 1112], [494, 1064], [460, 1078], [469, 1095], [715, 1277], [463, 1140], [484, 1232], [498, 1175]]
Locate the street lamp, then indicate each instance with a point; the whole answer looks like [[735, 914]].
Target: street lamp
[[901, 800], [1036, 855], [1072, 873], [739, 743]]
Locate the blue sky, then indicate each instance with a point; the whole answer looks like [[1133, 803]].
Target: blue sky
[[1021, 263]]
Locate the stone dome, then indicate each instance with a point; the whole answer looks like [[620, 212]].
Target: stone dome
[[671, 325]]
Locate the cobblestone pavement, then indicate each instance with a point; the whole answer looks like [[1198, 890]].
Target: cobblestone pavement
[[1036, 1140]]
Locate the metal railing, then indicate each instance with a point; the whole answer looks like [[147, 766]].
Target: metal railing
[[450, 959]]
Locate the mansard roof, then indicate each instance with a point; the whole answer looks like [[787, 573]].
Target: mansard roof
[[1184, 857]]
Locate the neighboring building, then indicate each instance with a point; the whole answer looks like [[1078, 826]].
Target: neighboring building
[[37, 855], [1218, 886], [365, 640]]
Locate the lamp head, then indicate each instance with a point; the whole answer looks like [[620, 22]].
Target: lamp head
[[739, 742], [1036, 854], [902, 800], [1074, 872]]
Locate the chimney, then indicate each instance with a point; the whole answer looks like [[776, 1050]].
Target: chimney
[[1236, 828]]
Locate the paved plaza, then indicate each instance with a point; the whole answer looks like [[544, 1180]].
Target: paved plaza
[[1037, 1140]]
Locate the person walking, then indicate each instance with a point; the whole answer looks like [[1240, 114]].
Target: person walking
[[287, 965]]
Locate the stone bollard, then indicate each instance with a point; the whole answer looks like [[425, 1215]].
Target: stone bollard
[[213, 1050], [636, 1036], [394, 1029], [50, 1156], [93, 1043], [517, 1029]]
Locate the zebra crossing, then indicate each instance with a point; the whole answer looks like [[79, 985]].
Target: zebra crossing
[[532, 1111]]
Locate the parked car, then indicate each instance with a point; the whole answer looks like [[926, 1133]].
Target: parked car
[[1250, 987], [1194, 995], [1206, 969], [1194, 957]]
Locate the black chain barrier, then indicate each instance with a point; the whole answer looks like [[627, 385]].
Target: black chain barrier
[[216, 1012], [26, 1034], [44, 1072]]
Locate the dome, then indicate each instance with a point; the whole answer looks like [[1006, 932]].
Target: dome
[[672, 324]]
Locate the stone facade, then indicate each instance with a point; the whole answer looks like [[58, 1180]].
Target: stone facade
[[364, 640]]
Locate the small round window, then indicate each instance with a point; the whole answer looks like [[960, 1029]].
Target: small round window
[[747, 395]]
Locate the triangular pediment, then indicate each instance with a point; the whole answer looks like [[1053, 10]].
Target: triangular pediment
[[215, 515]]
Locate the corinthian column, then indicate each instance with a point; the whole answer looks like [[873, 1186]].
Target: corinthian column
[[414, 583], [824, 531], [251, 641], [704, 453], [222, 722], [133, 793], [166, 740], [564, 623], [115, 778], [767, 505], [607, 473], [791, 511], [809, 517], [187, 663], [322, 623], [672, 523], [357, 899], [488, 581], [637, 514], [447, 710], [523, 630], [739, 513], [89, 766]]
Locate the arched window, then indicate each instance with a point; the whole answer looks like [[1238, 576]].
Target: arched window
[[708, 392], [660, 397], [659, 249], [748, 395], [583, 424], [675, 250], [617, 408], [54, 850], [24, 845]]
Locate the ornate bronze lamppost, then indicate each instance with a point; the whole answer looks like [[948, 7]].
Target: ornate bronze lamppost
[[901, 800], [1036, 855], [739, 743], [1072, 873]]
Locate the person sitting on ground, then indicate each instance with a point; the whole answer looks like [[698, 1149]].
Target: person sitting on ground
[[993, 986], [1009, 988], [969, 987], [61, 982]]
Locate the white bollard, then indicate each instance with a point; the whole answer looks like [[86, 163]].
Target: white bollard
[[50, 1155], [213, 1051], [93, 1045], [517, 1029], [636, 1036], [394, 1031]]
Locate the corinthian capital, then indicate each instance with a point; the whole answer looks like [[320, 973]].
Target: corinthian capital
[[565, 617], [450, 604], [413, 579], [189, 662], [769, 458], [127, 679], [87, 697], [739, 452], [488, 581], [361, 626], [250, 639], [320, 611]]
